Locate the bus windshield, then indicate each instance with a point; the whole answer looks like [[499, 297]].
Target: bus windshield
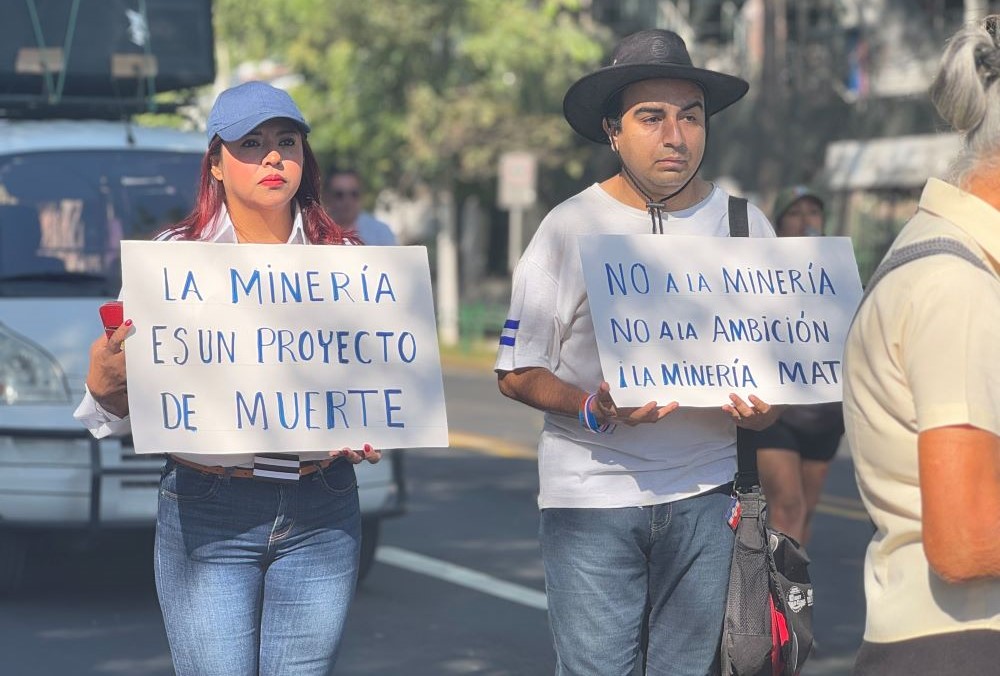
[[64, 214]]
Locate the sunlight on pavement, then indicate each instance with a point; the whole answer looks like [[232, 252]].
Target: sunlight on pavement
[[481, 443]]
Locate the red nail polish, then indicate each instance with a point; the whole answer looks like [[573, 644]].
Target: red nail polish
[[128, 322]]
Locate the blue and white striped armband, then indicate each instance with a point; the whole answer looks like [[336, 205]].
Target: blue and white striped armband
[[509, 333]]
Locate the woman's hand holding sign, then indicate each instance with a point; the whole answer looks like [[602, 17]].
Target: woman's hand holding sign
[[368, 453], [106, 376], [755, 415]]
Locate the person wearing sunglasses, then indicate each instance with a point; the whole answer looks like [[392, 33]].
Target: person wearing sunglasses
[[344, 191]]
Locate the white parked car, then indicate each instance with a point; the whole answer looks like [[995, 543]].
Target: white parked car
[[70, 190]]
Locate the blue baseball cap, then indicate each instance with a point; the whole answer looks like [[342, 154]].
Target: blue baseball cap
[[239, 110]]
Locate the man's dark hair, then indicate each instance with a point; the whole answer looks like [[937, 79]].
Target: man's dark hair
[[334, 170], [613, 110]]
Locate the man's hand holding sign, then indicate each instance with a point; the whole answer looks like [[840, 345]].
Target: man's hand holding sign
[[603, 406], [755, 415]]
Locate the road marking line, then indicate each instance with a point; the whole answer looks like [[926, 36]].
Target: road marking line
[[842, 501], [842, 506], [843, 512], [830, 666], [464, 577], [482, 443]]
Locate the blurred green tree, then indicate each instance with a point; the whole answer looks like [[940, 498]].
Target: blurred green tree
[[431, 91]]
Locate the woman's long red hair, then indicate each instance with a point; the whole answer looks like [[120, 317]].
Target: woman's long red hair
[[318, 226]]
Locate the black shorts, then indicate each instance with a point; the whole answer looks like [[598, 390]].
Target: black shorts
[[820, 447], [971, 653]]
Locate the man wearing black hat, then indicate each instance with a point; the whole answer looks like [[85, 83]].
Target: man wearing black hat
[[633, 532]]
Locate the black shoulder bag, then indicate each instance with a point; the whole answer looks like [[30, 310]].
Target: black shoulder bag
[[768, 625]]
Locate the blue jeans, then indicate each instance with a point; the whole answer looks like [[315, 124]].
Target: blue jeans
[[611, 573], [255, 578]]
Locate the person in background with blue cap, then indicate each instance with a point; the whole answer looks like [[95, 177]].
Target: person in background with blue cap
[[632, 526], [256, 557], [794, 454]]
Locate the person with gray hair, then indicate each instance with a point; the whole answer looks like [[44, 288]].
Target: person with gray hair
[[922, 400]]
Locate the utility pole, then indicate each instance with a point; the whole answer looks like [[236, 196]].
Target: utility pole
[[447, 268], [774, 112]]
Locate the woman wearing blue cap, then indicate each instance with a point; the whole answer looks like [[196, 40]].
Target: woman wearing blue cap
[[256, 557]]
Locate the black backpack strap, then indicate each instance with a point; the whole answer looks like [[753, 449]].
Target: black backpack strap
[[918, 250], [746, 459], [739, 221], [746, 462]]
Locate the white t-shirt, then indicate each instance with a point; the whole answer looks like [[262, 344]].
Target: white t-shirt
[[374, 232], [690, 451]]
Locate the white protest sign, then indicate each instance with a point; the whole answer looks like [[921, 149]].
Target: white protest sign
[[691, 319], [243, 348]]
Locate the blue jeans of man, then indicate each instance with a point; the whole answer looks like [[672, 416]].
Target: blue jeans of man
[[253, 577], [611, 573]]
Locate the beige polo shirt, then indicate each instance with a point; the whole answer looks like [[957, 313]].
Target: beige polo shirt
[[923, 353]]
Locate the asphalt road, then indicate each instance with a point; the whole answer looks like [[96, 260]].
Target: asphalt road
[[457, 587]]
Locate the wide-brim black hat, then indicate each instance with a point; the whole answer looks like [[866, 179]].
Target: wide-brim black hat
[[645, 55]]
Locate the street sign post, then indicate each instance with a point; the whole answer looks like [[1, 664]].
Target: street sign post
[[518, 177]]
